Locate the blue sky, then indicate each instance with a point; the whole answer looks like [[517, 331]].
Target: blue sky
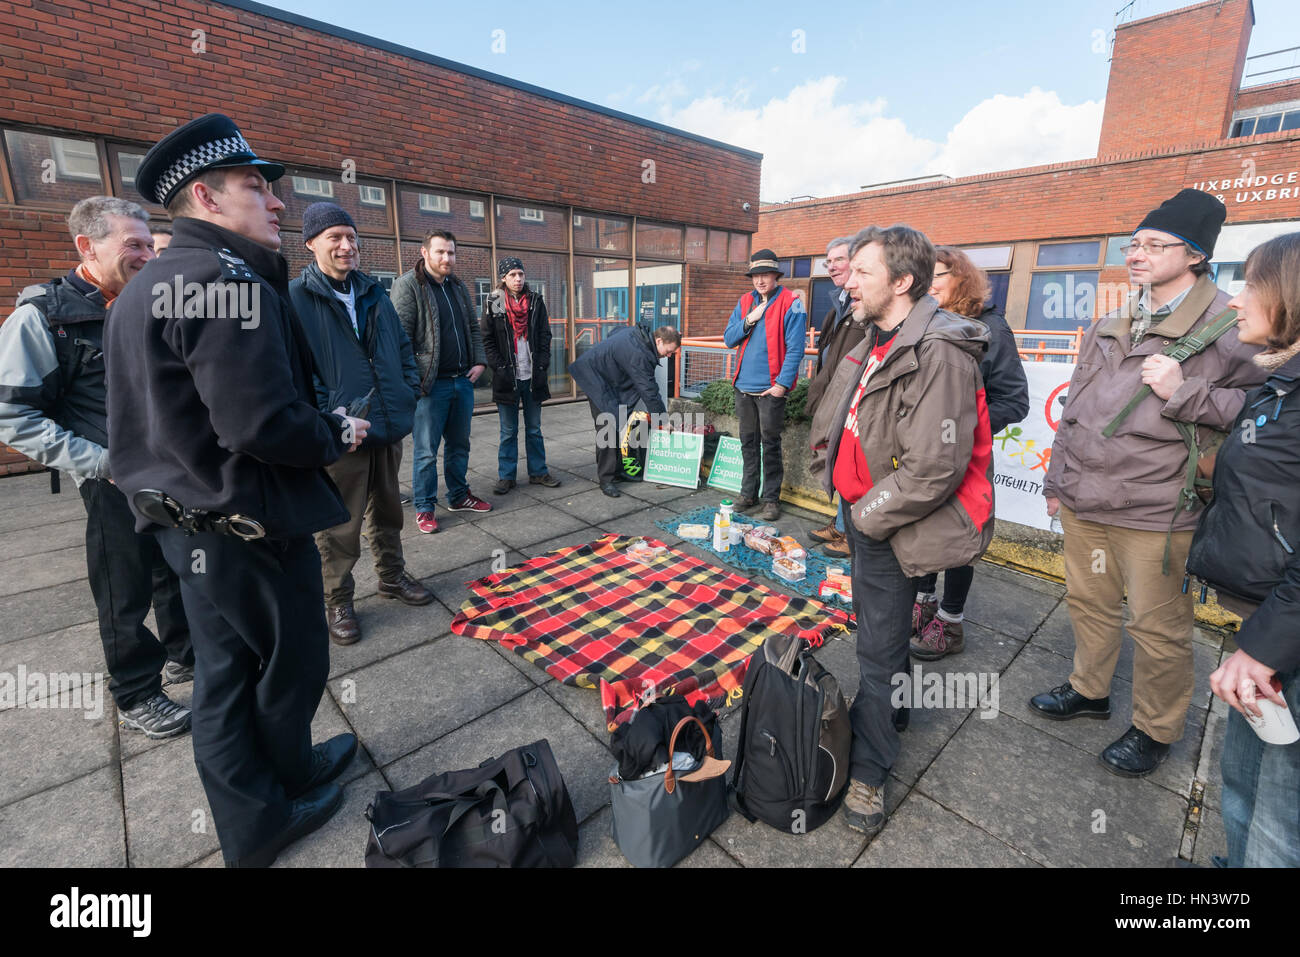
[[904, 88]]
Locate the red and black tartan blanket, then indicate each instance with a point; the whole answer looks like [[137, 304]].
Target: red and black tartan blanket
[[593, 618]]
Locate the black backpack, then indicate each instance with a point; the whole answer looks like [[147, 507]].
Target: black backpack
[[513, 811], [792, 762]]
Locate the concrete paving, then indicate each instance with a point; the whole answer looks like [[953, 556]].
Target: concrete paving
[[989, 784]]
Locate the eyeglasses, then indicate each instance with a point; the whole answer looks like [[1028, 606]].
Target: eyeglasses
[[940, 275], [1151, 249]]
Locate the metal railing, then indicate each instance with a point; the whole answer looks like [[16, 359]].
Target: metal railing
[[704, 359]]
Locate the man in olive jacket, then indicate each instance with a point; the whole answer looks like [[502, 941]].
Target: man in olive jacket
[[439, 318], [903, 435], [360, 350], [1118, 496]]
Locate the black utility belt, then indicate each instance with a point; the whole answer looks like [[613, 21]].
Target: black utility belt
[[162, 509]]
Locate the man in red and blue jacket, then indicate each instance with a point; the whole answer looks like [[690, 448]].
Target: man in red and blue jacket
[[768, 326]]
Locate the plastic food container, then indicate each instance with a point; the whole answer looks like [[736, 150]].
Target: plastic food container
[[789, 569]]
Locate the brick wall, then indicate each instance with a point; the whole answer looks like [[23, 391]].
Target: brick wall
[[1173, 77], [711, 294], [1268, 94]]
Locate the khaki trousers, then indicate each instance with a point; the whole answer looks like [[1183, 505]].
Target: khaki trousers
[[1102, 562], [367, 480]]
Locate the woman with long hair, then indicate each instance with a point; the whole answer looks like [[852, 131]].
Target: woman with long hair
[[1245, 546], [962, 288], [517, 340]]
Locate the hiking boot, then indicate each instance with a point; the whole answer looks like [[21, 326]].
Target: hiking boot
[[549, 480], [838, 548], [405, 589], [939, 638], [922, 613], [175, 673], [503, 486], [470, 503], [771, 512], [158, 717], [426, 523], [827, 534], [864, 807], [341, 620]]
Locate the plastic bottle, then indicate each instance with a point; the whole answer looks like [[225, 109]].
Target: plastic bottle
[[722, 527]]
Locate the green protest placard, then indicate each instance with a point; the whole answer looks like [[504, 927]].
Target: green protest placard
[[729, 466], [674, 459]]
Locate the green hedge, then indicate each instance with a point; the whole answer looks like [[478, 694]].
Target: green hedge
[[720, 398]]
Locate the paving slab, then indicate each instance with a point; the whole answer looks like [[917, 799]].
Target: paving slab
[[1035, 671], [387, 628], [58, 567], [398, 704], [447, 549], [535, 523], [1210, 769], [1211, 839], [37, 508], [595, 506], [76, 652], [1009, 602], [340, 841], [49, 537], [640, 523], [77, 824], [582, 536], [570, 484], [451, 587], [45, 610], [923, 834], [166, 826], [583, 760], [46, 747], [1019, 785]]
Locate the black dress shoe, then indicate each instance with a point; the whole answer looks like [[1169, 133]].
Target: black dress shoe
[[902, 718], [1063, 703], [609, 489], [328, 761], [1136, 754], [308, 813]]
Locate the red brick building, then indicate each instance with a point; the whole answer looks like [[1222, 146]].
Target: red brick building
[[609, 213], [1176, 115]]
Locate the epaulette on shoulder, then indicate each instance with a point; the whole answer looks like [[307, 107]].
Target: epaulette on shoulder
[[233, 267]]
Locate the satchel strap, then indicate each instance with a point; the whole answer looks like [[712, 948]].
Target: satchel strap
[[670, 778]]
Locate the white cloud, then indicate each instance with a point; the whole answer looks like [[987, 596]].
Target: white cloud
[[852, 143]]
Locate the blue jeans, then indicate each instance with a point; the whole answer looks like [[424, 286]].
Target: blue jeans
[[839, 514], [442, 416], [1261, 812], [508, 455]]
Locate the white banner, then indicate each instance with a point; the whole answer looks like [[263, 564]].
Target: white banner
[[1022, 452]]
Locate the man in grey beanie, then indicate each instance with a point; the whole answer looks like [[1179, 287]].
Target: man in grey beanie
[[364, 358]]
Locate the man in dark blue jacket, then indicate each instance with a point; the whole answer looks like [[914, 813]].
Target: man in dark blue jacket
[[616, 374], [215, 438], [360, 350]]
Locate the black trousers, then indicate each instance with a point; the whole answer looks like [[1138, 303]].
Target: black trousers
[[609, 457], [956, 587], [127, 572], [882, 605], [761, 419], [262, 651]]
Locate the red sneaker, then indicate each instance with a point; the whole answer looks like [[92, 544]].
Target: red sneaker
[[426, 523], [470, 503]]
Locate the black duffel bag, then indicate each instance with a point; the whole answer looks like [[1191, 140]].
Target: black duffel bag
[[513, 811]]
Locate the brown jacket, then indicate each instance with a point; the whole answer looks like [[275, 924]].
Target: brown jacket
[[843, 336], [1133, 478], [920, 419]]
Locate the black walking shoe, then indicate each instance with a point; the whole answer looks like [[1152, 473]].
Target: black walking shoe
[[610, 489], [308, 813], [1064, 703], [1136, 754], [175, 673], [158, 717], [328, 760]]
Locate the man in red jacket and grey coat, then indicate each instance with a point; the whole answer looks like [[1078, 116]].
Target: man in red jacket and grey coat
[[1119, 496]]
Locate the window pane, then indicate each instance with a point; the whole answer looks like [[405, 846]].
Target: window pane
[[532, 224], [990, 257], [1113, 256], [602, 234], [659, 241], [465, 217], [1291, 121], [600, 299], [1230, 277], [999, 283], [298, 189], [378, 256], [548, 273], [697, 243], [739, 249], [802, 268], [1061, 300], [718, 241], [1268, 124], [658, 294], [53, 169], [123, 162], [1069, 254]]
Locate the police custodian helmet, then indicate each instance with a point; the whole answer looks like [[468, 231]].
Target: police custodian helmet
[[209, 142]]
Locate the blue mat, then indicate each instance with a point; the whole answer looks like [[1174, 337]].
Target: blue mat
[[742, 556]]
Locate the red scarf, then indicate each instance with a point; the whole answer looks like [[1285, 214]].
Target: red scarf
[[517, 311]]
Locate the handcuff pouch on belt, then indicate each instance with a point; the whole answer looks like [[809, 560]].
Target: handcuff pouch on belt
[[162, 509]]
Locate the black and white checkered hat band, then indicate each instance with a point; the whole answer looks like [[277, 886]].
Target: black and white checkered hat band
[[197, 159]]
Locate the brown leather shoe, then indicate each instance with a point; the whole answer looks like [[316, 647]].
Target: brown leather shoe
[[838, 548], [405, 589], [343, 625], [828, 534]]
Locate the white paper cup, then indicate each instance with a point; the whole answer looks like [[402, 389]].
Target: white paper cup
[[1277, 725]]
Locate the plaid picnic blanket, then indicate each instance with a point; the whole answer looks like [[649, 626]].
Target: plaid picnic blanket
[[593, 618]]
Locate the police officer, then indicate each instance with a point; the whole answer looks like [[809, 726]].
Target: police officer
[[211, 406]]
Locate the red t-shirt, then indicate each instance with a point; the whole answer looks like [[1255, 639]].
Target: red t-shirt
[[851, 477]]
